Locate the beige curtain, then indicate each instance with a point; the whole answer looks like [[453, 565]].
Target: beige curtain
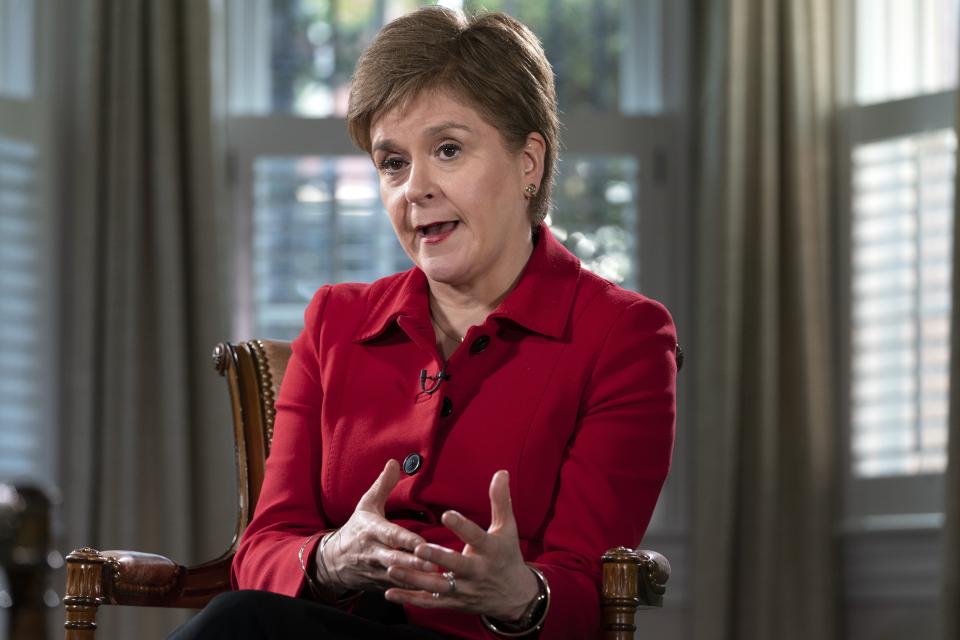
[[950, 604], [147, 448], [764, 558]]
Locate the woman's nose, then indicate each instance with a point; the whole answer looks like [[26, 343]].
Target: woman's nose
[[419, 185]]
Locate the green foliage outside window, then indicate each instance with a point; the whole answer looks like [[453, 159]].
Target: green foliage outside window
[[316, 44]]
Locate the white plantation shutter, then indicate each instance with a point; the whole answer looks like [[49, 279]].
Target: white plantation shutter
[[20, 299], [316, 220], [26, 370], [902, 218]]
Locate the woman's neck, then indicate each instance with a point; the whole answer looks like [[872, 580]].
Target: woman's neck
[[455, 308]]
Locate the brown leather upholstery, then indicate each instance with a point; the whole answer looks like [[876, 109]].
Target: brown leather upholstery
[[142, 573], [253, 371]]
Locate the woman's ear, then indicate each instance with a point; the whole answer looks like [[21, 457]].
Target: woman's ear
[[532, 156]]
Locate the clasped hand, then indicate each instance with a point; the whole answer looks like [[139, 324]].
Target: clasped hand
[[490, 576]]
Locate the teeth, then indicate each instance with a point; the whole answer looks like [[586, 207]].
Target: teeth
[[438, 228]]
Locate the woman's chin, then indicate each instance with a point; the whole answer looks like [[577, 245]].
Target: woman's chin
[[450, 277], [445, 271]]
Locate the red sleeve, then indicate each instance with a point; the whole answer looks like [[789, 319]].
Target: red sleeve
[[289, 509], [614, 467]]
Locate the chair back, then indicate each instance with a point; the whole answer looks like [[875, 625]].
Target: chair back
[[254, 371]]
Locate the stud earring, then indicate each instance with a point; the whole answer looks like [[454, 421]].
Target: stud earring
[[530, 189]]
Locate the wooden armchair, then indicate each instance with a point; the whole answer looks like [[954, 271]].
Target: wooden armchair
[[253, 371]]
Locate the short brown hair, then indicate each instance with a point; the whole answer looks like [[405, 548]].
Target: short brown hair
[[490, 60]]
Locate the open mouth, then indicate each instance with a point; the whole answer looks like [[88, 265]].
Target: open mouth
[[437, 230]]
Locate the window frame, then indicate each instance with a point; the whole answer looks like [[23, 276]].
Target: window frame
[[874, 503], [888, 528], [866, 499]]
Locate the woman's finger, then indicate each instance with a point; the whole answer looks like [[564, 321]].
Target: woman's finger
[[375, 499], [397, 537], [388, 557], [501, 506], [412, 579], [447, 558], [464, 528], [423, 599]]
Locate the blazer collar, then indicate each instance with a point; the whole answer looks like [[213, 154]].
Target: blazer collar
[[540, 302]]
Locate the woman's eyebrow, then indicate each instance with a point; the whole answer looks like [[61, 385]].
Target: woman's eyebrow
[[386, 143], [444, 126], [390, 144]]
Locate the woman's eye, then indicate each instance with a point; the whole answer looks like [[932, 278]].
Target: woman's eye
[[391, 165], [448, 151]]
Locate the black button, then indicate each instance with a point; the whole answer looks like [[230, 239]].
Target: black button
[[411, 463], [447, 408], [479, 344]]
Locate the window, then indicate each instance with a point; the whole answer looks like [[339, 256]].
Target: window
[[16, 48], [306, 201], [316, 219], [303, 52], [19, 262], [897, 151], [902, 226], [904, 48], [26, 413], [313, 207]]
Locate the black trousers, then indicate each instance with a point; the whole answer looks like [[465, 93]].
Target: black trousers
[[261, 615]]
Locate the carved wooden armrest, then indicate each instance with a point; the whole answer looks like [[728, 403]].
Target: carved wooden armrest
[[140, 579], [631, 579]]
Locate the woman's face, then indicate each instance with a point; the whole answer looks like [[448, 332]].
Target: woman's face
[[453, 190]]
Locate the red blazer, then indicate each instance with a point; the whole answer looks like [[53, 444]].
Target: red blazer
[[569, 384]]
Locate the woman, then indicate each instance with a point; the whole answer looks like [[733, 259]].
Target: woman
[[457, 445]]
